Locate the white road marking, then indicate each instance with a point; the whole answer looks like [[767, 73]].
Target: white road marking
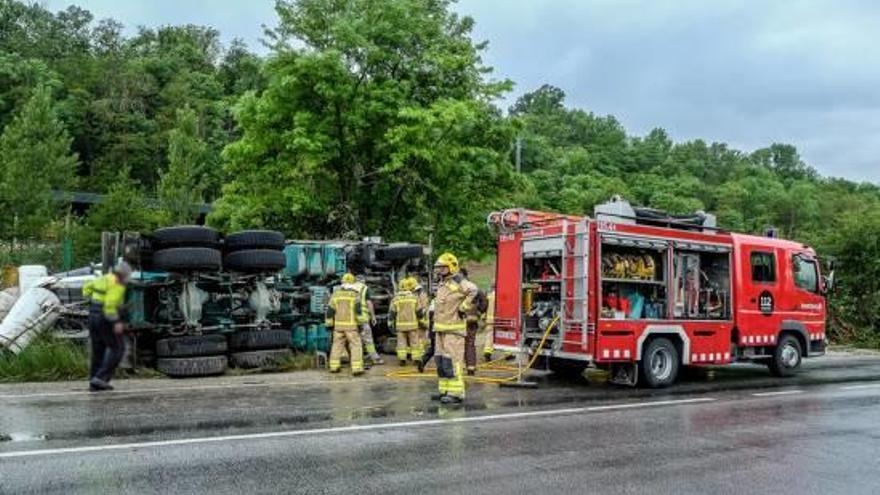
[[118, 392], [780, 392], [348, 429], [857, 387]]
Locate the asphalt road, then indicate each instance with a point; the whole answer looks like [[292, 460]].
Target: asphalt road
[[731, 431]]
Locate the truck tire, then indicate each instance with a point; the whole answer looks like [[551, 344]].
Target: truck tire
[[660, 363], [786, 357], [192, 366], [399, 252], [255, 261], [186, 236], [253, 340], [260, 359], [254, 239], [187, 259], [191, 346]]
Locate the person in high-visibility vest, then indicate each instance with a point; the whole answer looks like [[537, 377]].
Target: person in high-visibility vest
[[453, 302], [343, 313], [486, 335], [106, 326], [404, 316]]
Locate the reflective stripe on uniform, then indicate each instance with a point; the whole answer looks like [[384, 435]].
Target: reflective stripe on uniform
[[450, 327], [342, 320], [405, 309]]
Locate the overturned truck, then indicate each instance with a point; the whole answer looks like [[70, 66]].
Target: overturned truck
[[201, 302]]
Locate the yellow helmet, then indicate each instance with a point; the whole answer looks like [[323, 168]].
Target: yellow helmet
[[449, 261], [348, 278], [408, 284]]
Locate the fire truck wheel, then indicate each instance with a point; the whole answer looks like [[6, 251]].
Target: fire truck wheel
[[786, 357], [660, 363], [260, 359], [192, 366]]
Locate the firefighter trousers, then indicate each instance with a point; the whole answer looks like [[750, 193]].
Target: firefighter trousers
[[409, 343], [449, 355], [485, 341], [341, 338]]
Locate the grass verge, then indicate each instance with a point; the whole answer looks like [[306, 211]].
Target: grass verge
[[46, 359]]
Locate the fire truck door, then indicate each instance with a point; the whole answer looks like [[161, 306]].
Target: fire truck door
[[759, 291]]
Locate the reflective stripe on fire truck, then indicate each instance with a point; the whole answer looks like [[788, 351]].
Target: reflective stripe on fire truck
[[712, 357], [771, 339]]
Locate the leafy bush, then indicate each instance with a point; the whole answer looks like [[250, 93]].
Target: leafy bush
[[46, 359]]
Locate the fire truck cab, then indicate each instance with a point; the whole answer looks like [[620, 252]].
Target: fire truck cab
[[642, 293]]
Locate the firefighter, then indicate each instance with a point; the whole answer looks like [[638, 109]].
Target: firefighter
[[473, 324], [453, 303], [343, 314], [366, 321], [486, 337], [106, 328], [404, 316]]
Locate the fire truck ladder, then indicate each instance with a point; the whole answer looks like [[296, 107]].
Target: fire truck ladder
[[575, 260]]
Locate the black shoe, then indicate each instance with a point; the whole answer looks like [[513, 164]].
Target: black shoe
[[487, 357], [471, 372], [337, 370], [437, 396], [402, 362], [99, 384], [357, 373], [451, 399], [421, 366]]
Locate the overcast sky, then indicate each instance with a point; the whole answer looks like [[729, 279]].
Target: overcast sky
[[748, 73]]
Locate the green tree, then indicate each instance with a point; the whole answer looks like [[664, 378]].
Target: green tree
[[35, 159], [180, 186], [124, 208], [322, 151]]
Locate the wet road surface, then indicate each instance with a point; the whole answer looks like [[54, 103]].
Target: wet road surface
[[732, 431]]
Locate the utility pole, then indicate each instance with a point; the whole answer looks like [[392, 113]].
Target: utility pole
[[518, 155]]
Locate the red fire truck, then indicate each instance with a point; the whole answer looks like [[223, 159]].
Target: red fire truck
[[642, 293]]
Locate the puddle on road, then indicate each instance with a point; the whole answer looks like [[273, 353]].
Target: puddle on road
[[21, 437]]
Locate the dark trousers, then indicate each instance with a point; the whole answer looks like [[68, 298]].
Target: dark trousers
[[470, 345], [107, 347], [430, 345]]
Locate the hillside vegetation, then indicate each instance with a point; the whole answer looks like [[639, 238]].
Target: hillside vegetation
[[365, 117]]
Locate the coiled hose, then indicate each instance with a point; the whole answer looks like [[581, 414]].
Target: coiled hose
[[492, 366]]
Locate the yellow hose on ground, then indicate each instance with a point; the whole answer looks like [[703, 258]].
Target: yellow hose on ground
[[492, 366]]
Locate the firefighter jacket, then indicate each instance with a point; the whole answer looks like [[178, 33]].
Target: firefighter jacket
[[405, 311], [490, 310], [344, 308], [107, 293], [363, 315], [453, 304], [424, 302]]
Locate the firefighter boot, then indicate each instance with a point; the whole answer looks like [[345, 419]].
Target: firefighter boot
[[451, 400]]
